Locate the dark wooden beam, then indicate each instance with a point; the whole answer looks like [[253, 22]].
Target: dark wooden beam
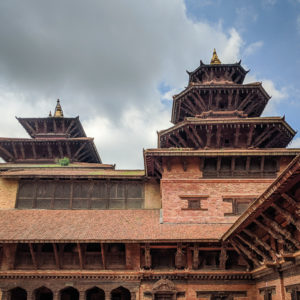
[[56, 256], [33, 150], [248, 253], [70, 126], [49, 150], [263, 136], [218, 135], [22, 150], [242, 254], [236, 136], [244, 102], [182, 141], [253, 247], [80, 256], [290, 200], [175, 143], [287, 215], [268, 230], [78, 150], [285, 233], [7, 153], [257, 241], [103, 257], [197, 136], [68, 150], [33, 256], [61, 153], [190, 135], [14, 149], [250, 135], [196, 256], [209, 135]]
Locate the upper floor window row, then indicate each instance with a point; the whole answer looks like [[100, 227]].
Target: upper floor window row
[[80, 194]]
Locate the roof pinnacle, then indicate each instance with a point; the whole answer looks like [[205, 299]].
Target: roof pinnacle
[[215, 59], [58, 113]]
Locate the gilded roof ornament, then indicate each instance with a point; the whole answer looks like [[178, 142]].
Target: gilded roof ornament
[[215, 59], [58, 113]]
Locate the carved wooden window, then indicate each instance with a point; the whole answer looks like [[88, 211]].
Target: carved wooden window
[[193, 202], [239, 204], [268, 292], [251, 167], [80, 194]]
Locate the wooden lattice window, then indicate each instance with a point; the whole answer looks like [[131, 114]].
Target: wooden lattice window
[[239, 204], [80, 194]]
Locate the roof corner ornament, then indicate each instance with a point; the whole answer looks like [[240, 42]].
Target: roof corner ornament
[[215, 59], [50, 114], [58, 113]]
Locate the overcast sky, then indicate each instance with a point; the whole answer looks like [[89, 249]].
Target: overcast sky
[[117, 63]]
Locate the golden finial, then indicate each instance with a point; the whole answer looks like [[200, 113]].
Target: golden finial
[[215, 59], [58, 113]]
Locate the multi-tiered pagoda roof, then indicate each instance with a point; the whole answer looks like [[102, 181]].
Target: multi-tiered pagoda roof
[[52, 138]]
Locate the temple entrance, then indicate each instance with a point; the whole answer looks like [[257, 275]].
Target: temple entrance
[[17, 294], [95, 294], [120, 293], [69, 294], [43, 293]]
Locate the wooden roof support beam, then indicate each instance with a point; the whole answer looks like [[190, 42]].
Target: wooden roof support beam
[[210, 97], [197, 136], [281, 230], [171, 139], [244, 102], [83, 154], [28, 126], [287, 215], [291, 200], [70, 126], [258, 242], [263, 136], [13, 144], [248, 253], [7, 153], [182, 141], [268, 230], [187, 110], [250, 135], [103, 257], [148, 259], [190, 105], [198, 101], [241, 253], [79, 149], [236, 98], [61, 153], [209, 135], [236, 136], [218, 135], [22, 150], [56, 256], [274, 140], [158, 166], [252, 246], [33, 256], [196, 256], [68, 150], [190, 135], [80, 256], [33, 150], [49, 150], [223, 258]]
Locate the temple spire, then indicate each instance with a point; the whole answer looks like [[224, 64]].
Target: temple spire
[[58, 113], [215, 59]]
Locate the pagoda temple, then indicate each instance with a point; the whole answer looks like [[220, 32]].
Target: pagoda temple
[[214, 215]]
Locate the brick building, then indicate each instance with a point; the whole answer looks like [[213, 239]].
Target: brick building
[[215, 214]]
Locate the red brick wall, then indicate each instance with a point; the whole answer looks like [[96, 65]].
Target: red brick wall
[[177, 182]]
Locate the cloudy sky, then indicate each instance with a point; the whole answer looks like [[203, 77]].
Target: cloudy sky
[[117, 63]]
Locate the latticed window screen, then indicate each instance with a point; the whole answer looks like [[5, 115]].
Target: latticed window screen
[[85, 194]]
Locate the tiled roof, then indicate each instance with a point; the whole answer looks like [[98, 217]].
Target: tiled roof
[[99, 225]]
